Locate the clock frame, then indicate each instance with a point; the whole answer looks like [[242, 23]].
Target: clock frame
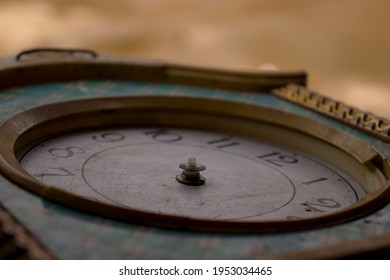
[[50, 66]]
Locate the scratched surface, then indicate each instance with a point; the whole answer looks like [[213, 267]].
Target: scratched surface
[[71, 234], [342, 44]]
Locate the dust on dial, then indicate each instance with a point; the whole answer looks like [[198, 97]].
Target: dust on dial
[[245, 179]]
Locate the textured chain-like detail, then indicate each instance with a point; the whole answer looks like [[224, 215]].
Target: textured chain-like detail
[[367, 122]]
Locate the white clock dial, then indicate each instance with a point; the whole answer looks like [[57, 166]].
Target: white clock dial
[[245, 179]]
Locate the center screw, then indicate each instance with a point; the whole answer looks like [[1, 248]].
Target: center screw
[[191, 174]]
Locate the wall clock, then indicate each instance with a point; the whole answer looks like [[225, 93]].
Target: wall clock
[[111, 158]]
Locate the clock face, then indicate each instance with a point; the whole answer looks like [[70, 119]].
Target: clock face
[[245, 179]]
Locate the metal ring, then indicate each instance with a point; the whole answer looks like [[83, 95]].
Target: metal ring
[[57, 50]]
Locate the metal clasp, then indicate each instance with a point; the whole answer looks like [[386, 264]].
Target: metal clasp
[[70, 52]]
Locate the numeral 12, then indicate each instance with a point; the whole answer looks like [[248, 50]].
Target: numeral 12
[[278, 159]]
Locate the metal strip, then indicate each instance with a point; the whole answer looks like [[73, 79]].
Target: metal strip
[[364, 121]]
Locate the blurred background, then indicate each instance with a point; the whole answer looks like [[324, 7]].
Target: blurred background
[[344, 45]]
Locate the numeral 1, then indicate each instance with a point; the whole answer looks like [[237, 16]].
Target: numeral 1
[[314, 181]]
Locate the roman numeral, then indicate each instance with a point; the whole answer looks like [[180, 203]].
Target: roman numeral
[[224, 142]]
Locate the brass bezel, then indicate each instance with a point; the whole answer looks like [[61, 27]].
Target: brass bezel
[[50, 120]]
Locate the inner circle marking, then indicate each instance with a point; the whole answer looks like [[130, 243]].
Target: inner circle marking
[[289, 198]]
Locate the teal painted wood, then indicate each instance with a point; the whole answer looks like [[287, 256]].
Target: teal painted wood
[[71, 234]]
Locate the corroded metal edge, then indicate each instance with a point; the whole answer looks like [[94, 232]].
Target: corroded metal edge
[[364, 121], [16, 242], [55, 65], [375, 247]]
